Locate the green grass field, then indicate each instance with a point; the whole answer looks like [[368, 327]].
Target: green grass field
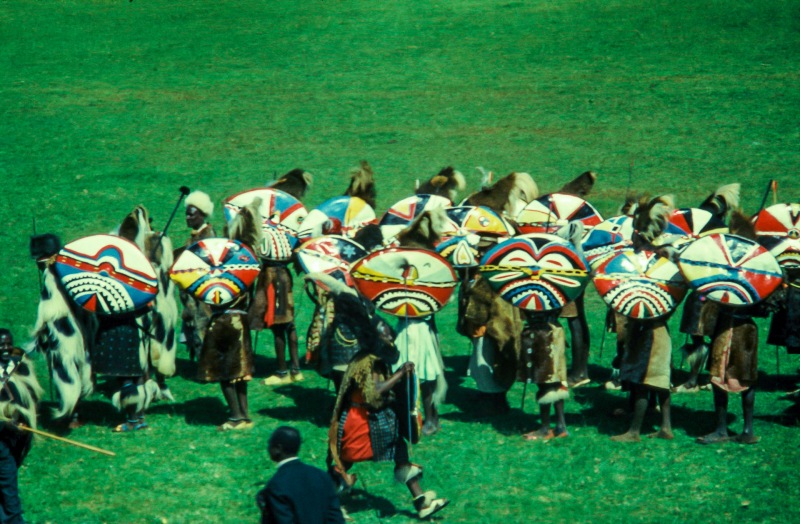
[[108, 104]]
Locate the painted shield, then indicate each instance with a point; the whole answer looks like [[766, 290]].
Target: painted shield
[[608, 236], [536, 272], [330, 254], [281, 216], [405, 282], [639, 284], [401, 214], [216, 270], [343, 215], [778, 229], [549, 213], [106, 274], [688, 224], [729, 269], [471, 229]]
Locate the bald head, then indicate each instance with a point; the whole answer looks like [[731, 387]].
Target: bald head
[[283, 443]]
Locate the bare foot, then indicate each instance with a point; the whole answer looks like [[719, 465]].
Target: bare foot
[[539, 434], [747, 438], [665, 434], [627, 437], [714, 438]]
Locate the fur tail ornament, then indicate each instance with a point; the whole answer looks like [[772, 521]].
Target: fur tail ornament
[[140, 396]]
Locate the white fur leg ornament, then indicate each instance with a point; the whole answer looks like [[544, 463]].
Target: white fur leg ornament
[[140, 396], [407, 473]]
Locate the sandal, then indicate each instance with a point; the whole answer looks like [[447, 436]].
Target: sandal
[[129, 426], [537, 435], [235, 424]]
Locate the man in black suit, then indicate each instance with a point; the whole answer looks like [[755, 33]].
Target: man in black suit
[[297, 493]]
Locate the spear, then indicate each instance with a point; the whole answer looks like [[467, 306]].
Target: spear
[[184, 191], [67, 441]]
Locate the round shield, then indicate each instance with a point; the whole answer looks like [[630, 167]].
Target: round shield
[[281, 216], [729, 269], [778, 229], [536, 272], [469, 229], [330, 254], [401, 214], [277, 207], [639, 284], [405, 282], [688, 224], [216, 270], [343, 215], [549, 213], [106, 274], [606, 237]]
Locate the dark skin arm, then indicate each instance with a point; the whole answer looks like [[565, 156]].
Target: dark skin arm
[[383, 387]]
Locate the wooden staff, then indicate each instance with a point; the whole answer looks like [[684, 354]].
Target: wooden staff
[[68, 441]]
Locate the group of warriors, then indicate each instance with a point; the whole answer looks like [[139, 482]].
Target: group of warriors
[[389, 379]]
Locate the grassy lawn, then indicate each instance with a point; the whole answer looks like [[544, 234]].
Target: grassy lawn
[[108, 104]]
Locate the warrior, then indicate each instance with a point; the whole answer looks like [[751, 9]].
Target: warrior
[[417, 338], [544, 358], [227, 353], [122, 343], [370, 420], [62, 333], [195, 314], [492, 324], [19, 397], [447, 183], [647, 352], [699, 316], [273, 302], [734, 356]]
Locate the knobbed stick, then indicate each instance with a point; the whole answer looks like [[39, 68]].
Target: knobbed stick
[[68, 441]]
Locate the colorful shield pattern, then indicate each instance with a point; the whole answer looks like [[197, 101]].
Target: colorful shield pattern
[[330, 254], [778, 229], [281, 215], [729, 269], [536, 272], [106, 274], [688, 224], [549, 213], [342, 215], [639, 284], [405, 282], [606, 237], [469, 230], [216, 270], [402, 213]]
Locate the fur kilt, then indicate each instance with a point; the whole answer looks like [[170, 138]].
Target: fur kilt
[[227, 354], [647, 356], [784, 330], [698, 316], [273, 301], [117, 349], [734, 354], [543, 354]]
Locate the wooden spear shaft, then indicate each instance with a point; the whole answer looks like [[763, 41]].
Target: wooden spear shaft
[[68, 441]]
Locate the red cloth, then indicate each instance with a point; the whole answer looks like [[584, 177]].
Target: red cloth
[[356, 444]]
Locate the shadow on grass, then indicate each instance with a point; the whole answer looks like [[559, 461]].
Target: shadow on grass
[[361, 501], [313, 405]]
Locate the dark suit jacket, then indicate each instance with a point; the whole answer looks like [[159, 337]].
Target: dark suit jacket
[[299, 494]]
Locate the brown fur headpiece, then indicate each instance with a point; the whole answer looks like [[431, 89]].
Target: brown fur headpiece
[[507, 194], [296, 182], [581, 186], [425, 231], [723, 200], [447, 183], [740, 224], [362, 184], [651, 218], [246, 226]]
